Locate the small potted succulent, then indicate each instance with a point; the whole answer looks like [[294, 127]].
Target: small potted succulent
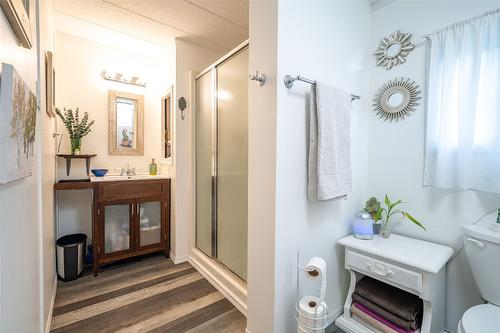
[[372, 207], [76, 129], [125, 138]]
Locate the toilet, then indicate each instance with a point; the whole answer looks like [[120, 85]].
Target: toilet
[[482, 247]]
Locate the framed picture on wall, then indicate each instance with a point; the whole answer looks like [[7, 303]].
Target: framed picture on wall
[[17, 126], [18, 15], [50, 84]]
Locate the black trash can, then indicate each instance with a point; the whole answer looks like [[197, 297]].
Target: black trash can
[[70, 254]]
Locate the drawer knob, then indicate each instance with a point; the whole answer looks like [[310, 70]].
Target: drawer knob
[[380, 270]]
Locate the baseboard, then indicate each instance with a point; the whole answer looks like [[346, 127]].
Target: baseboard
[[51, 307], [178, 260], [223, 280]]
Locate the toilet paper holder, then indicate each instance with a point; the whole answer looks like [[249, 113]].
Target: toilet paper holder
[[317, 318]]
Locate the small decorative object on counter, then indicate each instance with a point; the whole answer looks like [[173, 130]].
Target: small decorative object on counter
[[76, 129], [362, 225], [153, 168], [391, 211], [99, 172], [372, 207]]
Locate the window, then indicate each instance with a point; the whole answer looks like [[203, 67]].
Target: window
[[463, 106]]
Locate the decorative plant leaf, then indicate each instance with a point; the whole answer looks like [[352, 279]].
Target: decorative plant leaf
[[397, 203], [76, 129], [378, 215], [414, 220], [387, 201], [385, 213]]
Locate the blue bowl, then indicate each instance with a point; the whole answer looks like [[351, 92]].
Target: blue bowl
[[99, 172]]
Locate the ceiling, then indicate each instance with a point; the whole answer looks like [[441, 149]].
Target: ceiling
[[217, 24]]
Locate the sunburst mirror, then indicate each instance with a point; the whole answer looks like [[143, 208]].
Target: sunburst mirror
[[393, 50], [396, 99]]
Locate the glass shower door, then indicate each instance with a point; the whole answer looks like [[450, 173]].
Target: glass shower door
[[232, 162], [222, 162]]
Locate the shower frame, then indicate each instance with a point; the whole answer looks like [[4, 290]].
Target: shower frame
[[214, 163]]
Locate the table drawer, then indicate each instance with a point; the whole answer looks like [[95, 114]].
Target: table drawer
[[384, 271], [130, 189]]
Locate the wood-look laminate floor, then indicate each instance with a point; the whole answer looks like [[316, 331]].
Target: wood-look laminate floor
[[150, 295]]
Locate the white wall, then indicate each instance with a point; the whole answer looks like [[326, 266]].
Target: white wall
[[48, 165], [329, 45], [189, 59], [83, 50], [281, 219], [79, 63], [27, 274], [263, 56], [396, 150]]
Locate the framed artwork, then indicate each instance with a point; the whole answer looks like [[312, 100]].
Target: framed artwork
[[18, 15], [50, 84], [17, 126]]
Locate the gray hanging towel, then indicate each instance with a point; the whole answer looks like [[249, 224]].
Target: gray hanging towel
[[329, 167]]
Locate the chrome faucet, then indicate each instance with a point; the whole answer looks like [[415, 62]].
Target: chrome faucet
[[128, 171]]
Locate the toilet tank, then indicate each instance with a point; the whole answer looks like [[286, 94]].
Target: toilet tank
[[482, 247]]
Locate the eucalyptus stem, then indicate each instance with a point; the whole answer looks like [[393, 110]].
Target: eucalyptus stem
[[77, 128]]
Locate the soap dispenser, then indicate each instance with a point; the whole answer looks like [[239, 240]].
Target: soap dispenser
[[153, 168]]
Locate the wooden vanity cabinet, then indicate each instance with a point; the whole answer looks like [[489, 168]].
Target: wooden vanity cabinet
[[131, 218]]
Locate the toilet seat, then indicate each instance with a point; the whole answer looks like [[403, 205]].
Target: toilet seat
[[480, 319]]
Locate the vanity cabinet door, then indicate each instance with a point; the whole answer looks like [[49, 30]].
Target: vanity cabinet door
[[150, 223], [115, 219]]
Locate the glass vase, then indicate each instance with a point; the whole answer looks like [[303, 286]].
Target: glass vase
[[385, 230], [76, 146]]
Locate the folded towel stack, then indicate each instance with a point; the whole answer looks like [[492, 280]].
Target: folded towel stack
[[385, 308]]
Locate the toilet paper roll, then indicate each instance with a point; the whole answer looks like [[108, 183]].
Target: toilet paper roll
[[312, 311], [316, 270]]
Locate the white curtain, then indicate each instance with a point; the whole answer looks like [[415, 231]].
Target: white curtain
[[463, 106]]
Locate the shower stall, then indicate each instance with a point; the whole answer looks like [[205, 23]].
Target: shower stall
[[221, 155]]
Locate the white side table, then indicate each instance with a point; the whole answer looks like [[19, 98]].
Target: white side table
[[417, 266]]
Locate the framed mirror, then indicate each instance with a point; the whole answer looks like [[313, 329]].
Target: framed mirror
[[126, 123], [394, 49], [396, 99]]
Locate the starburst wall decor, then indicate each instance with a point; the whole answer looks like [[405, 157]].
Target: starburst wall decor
[[396, 99], [394, 49]]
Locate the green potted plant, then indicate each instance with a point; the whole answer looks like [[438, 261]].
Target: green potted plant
[[125, 138], [391, 211], [372, 207], [76, 129]]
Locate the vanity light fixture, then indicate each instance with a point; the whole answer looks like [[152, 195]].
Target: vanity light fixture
[[119, 77]]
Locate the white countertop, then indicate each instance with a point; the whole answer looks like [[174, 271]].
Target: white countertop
[[117, 178], [425, 256]]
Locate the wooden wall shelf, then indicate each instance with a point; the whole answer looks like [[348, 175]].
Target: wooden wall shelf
[[69, 157]]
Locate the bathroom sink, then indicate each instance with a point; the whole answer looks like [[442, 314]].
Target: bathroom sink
[[115, 178]]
